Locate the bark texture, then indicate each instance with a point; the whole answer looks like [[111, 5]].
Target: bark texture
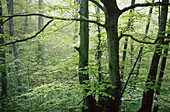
[[112, 14]]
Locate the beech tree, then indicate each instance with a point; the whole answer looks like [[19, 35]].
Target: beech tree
[[109, 101], [83, 54], [14, 46], [151, 79], [3, 78], [40, 25]]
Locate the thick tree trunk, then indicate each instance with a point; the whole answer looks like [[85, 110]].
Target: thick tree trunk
[[150, 82], [113, 44], [83, 55], [112, 14], [3, 97], [15, 51]]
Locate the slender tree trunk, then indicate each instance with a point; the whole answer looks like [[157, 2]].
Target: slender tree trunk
[[26, 24], [40, 25], [146, 33], [124, 57], [147, 100], [99, 52], [15, 51], [3, 97], [101, 100], [76, 2], [160, 77], [26, 19], [83, 55], [126, 41]]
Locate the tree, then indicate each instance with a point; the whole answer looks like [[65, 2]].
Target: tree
[[40, 25], [14, 46], [160, 77], [83, 55], [76, 3], [3, 78], [161, 74], [146, 33], [129, 25], [113, 94], [112, 13], [151, 79]]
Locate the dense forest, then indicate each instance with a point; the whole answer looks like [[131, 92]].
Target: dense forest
[[84, 55]]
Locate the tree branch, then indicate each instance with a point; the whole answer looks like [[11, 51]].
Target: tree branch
[[77, 48], [143, 5], [98, 4], [52, 17], [71, 110], [28, 38], [122, 35], [131, 72]]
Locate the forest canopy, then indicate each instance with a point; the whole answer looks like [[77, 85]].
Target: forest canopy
[[84, 55]]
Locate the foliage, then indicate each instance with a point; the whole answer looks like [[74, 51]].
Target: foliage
[[51, 84]]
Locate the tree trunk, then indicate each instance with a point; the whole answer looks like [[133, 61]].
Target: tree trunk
[[76, 2], [147, 100], [15, 51], [40, 25], [160, 77], [112, 14], [126, 42], [146, 33], [101, 101], [26, 19], [83, 55], [3, 97], [99, 52]]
